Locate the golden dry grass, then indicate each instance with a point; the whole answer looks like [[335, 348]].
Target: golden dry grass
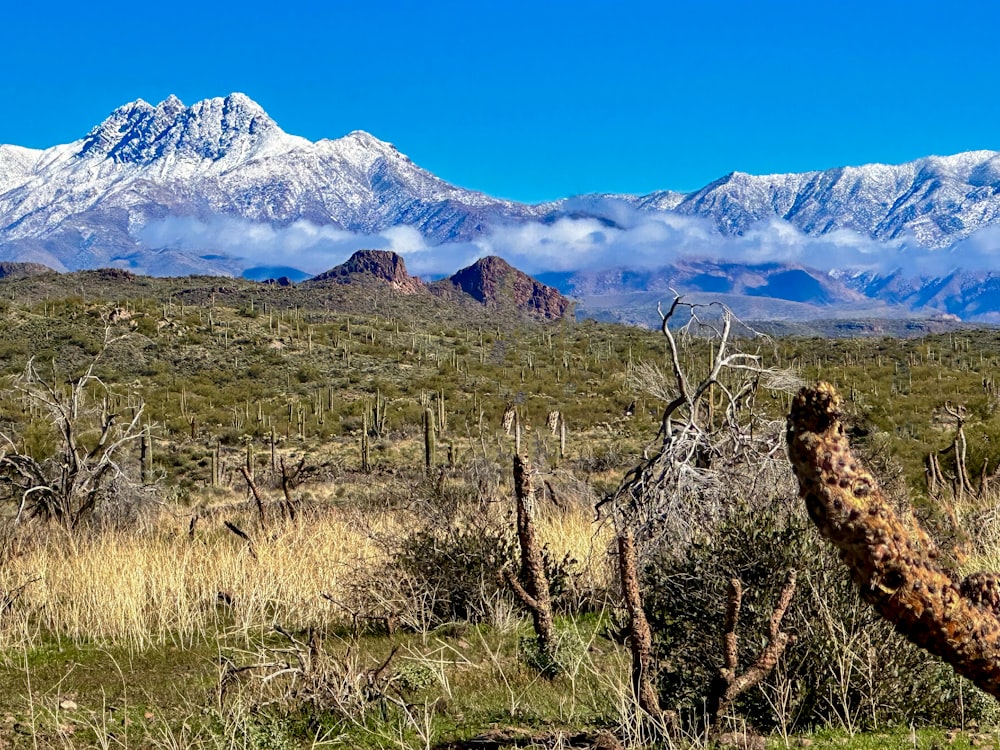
[[141, 589]]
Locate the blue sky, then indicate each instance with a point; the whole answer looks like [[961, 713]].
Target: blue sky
[[536, 100]]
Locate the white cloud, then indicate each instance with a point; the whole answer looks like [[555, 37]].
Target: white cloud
[[310, 247], [633, 239]]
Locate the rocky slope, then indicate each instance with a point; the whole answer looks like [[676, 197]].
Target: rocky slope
[[21, 270], [495, 283], [381, 266], [490, 282]]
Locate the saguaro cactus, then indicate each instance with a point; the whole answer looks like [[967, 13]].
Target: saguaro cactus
[[893, 563], [430, 447]]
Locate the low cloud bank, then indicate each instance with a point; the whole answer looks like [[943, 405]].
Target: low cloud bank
[[622, 237]]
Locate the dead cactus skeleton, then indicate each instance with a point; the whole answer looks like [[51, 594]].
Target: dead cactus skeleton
[[730, 683], [892, 563], [535, 595]]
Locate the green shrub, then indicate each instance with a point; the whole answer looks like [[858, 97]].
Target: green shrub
[[846, 666], [460, 567], [567, 653]]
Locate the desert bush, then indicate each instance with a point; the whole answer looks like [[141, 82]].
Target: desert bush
[[459, 566], [846, 665], [567, 651], [448, 565]]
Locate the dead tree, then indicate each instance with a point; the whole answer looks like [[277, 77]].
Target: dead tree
[[258, 499], [693, 456], [960, 447], [290, 479], [893, 563], [92, 429], [712, 447]]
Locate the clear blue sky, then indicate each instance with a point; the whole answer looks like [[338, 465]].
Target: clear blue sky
[[535, 100]]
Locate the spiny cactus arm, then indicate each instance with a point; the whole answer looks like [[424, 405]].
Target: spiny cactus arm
[[640, 635], [896, 572], [728, 683]]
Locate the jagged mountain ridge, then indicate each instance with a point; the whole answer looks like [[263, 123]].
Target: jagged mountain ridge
[[227, 156], [84, 204], [937, 200], [91, 203]]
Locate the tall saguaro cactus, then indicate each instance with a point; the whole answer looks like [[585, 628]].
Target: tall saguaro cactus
[[895, 568]]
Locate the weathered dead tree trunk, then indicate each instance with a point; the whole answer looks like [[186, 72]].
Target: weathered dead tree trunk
[[289, 480], [897, 574], [261, 505], [535, 593], [728, 684], [640, 636], [933, 473], [959, 445]]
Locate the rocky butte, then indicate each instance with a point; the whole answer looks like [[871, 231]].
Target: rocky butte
[[490, 282]]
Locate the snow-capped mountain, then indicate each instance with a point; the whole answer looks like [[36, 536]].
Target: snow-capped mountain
[[937, 200], [152, 189], [86, 203]]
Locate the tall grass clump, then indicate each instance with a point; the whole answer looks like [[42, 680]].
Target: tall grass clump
[[433, 559], [459, 539], [148, 588]]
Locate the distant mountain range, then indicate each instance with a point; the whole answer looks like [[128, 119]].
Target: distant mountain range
[[219, 188]]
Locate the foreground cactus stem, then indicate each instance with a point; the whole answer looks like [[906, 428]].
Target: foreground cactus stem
[[893, 563]]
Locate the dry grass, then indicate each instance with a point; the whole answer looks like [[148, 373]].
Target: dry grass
[[141, 589], [148, 588]]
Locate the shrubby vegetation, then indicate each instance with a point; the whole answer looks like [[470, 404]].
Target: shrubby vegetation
[[300, 596]]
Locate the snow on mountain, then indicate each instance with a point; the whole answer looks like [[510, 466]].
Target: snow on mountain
[[208, 137], [936, 199], [16, 163], [181, 189], [87, 203]]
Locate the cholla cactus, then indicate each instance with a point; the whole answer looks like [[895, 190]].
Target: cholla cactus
[[893, 563]]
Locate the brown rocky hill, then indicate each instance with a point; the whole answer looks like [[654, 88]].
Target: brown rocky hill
[[21, 270], [497, 284], [490, 281], [380, 265]]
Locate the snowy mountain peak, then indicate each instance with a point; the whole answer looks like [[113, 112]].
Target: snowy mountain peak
[[364, 153], [212, 129], [366, 139], [171, 105], [360, 142]]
